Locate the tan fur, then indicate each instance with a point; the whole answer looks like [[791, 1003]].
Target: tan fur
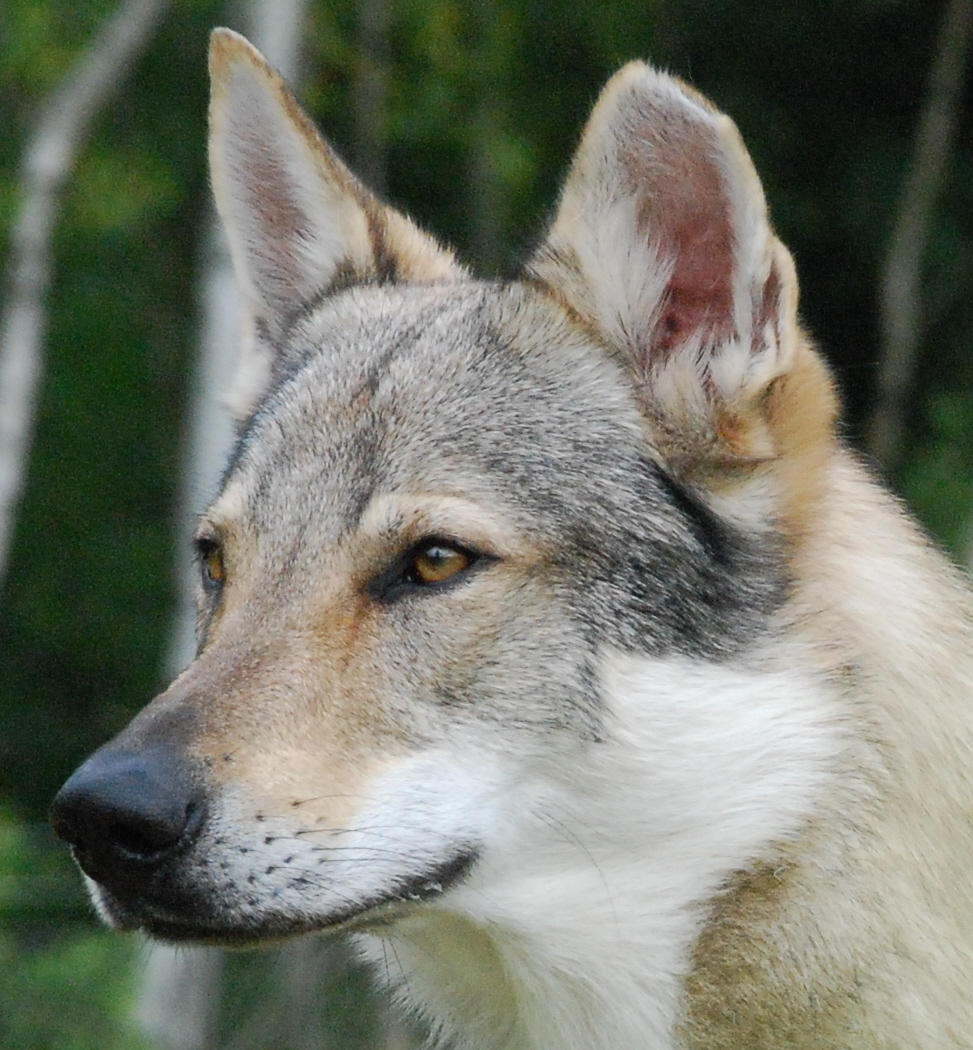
[[849, 968]]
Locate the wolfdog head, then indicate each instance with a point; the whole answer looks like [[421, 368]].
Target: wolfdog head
[[486, 593]]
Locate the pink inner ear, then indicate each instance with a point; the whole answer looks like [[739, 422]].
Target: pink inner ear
[[685, 210], [280, 223], [699, 296]]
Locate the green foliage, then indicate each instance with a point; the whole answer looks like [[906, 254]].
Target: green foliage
[[937, 480], [37, 879], [120, 189], [95, 973], [285, 1001], [87, 599], [40, 41], [64, 984]]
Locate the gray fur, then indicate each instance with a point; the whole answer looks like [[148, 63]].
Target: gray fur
[[401, 388]]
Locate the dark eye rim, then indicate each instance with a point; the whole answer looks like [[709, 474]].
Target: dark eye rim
[[398, 580], [206, 547]]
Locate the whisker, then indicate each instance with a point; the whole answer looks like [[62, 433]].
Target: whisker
[[558, 827], [320, 798]]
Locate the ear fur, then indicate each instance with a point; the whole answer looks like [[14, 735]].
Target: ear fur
[[662, 246], [299, 224]]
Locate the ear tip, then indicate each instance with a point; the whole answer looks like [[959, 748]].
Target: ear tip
[[634, 69], [639, 74], [641, 79], [634, 76], [223, 42], [227, 47]]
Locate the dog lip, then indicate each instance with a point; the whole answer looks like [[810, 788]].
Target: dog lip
[[246, 930], [432, 884]]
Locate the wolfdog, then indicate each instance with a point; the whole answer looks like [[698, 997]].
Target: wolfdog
[[551, 642]]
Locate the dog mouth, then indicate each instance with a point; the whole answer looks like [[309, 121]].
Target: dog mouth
[[209, 919]]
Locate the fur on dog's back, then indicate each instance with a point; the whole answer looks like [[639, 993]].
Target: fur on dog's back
[[550, 638]]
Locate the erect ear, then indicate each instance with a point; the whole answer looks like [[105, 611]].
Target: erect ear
[[661, 244], [299, 224]]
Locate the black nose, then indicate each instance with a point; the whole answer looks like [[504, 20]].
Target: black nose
[[125, 812]]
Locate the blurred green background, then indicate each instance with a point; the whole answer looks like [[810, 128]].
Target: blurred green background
[[481, 105]]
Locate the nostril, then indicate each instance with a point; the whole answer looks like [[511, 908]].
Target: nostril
[[145, 837], [120, 810], [135, 841]]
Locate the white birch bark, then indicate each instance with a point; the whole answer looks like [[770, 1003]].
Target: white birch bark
[[371, 88], [48, 162], [179, 1000]]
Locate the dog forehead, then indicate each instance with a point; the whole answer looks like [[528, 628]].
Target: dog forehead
[[472, 388]]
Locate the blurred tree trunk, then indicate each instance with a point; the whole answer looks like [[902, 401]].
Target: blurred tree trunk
[[274, 26], [371, 82], [488, 200], [180, 997], [65, 119], [901, 282]]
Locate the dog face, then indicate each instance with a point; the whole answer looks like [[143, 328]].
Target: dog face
[[450, 504]]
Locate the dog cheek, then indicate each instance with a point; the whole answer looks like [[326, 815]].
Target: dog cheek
[[509, 655]]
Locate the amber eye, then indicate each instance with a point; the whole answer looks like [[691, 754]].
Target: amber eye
[[211, 564], [438, 562]]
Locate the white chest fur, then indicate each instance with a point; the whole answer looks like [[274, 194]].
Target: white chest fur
[[576, 928]]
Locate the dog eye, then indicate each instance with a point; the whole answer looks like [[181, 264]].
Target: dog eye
[[429, 565], [437, 562], [211, 565]]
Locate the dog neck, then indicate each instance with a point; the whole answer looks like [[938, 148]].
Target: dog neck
[[480, 989], [579, 933]]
